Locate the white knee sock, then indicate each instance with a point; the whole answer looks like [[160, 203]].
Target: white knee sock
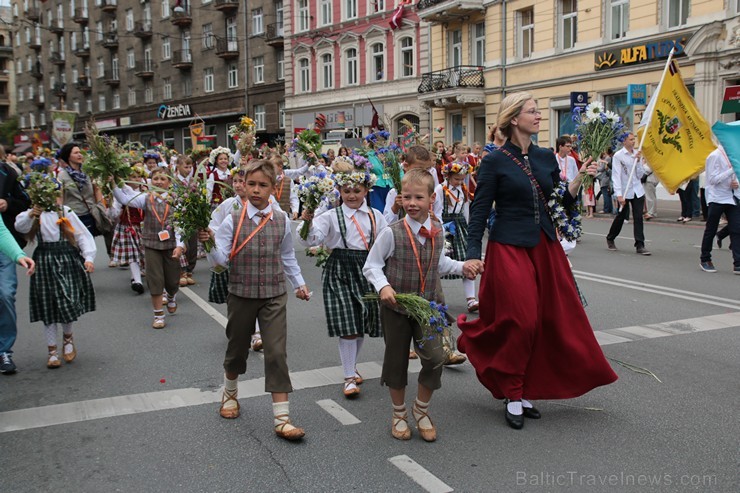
[[67, 329], [135, 272], [51, 334], [469, 288], [256, 327], [359, 341], [348, 355]]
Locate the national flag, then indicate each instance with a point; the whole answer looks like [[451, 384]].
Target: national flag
[[397, 16], [729, 136], [677, 137], [409, 137], [375, 122]]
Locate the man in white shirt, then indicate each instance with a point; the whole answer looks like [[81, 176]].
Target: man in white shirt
[[723, 197], [566, 162], [628, 194]]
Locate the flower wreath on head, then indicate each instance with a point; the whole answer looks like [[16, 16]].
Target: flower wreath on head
[[220, 150], [355, 178], [455, 168], [151, 155], [41, 164]]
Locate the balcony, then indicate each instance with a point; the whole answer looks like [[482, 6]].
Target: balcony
[[56, 28], [35, 44], [144, 69], [110, 40], [227, 48], [456, 87], [82, 51], [59, 89], [274, 34], [84, 85], [182, 59], [447, 10], [81, 16], [111, 78], [32, 14], [57, 58], [143, 29], [37, 73], [109, 6], [38, 100], [181, 19], [227, 6]]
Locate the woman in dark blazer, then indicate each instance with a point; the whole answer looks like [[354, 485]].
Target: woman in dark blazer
[[533, 339]]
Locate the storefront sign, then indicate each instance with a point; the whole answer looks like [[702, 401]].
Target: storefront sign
[[578, 100], [731, 101], [637, 54], [104, 124], [176, 111], [636, 94]]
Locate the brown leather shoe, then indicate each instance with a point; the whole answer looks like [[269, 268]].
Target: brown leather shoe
[[351, 390], [69, 356], [398, 434], [53, 361], [427, 434], [452, 359], [229, 412], [358, 378], [292, 433], [171, 306]]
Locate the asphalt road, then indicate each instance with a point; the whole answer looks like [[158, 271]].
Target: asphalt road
[[138, 411]]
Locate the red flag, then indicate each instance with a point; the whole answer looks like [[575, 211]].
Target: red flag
[[375, 122], [397, 16]]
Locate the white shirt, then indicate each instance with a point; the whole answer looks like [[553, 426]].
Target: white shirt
[[568, 163], [50, 230], [384, 248], [294, 203], [621, 168], [720, 175], [127, 196], [216, 175], [324, 228], [463, 204], [225, 238], [390, 199], [229, 205]]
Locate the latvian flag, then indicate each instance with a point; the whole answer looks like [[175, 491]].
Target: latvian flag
[[397, 16]]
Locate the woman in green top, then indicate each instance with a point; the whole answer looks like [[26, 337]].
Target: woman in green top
[[9, 247]]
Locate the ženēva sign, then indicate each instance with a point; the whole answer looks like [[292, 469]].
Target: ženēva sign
[[166, 112]]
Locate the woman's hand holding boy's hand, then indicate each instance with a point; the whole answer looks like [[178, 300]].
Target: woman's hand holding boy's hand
[[472, 267], [388, 296]]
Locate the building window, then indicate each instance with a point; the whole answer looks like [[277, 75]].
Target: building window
[[327, 71], [208, 36], [116, 100], [678, 12], [101, 67], [131, 96], [455, 46], [42, 120], [23, 121], [167, 88], [29, 64], [99, 30], [258, 26], [89, 105], [568, 24], [101, 103], [166, 48], [407, 57], [32, 120], [618, 18], [377, 66], [326, 12], [165, 9], [479, 44], [208, 80], [279, 17], [129, 20], [259, 116], [618, 104], [258, 63], [376, 6], [280, 65], [130, 58], [525, 44], [20, 94], [350, 9], [233, 75], [148, 93], [302, 15], [304, 72], [187, 85], [351, 66], [281, 114]]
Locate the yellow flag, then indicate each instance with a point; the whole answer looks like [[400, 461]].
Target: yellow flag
[[678, 139]]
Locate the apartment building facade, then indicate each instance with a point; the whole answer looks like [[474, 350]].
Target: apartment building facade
[[485, 49], [7, 74], [144, 69], [345, 56]]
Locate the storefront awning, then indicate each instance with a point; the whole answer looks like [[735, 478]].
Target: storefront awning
[[21, 148]]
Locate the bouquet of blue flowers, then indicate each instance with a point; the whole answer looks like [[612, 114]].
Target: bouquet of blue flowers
[[312, 191], [597, 129], [430, 315], [567, 221], [307, 143], [389, 154], [42, 188]]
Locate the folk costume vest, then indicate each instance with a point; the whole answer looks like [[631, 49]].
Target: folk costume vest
[[282, 193], [155, 214], [402, 269]]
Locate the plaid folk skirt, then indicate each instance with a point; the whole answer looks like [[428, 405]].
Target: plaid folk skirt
[[459, 241], [60, 289], [218, 290], [344, 286], [127, 246]]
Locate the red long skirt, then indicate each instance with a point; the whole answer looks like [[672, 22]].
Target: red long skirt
[[533, 339]]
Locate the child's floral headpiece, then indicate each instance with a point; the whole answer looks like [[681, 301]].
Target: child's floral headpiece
[[355, 178], [151, 155], [40, 164], [456, 168], [220, 150]]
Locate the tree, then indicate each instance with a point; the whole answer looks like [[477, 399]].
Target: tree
[[8, 130]]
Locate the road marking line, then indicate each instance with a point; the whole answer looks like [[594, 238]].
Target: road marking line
[[419, 475], [338, 412], [663, 329]]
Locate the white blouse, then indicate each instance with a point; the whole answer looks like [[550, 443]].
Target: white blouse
[[324, 228], [462, 205], [50, 230]]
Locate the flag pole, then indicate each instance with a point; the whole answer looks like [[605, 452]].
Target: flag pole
[[647, 123]]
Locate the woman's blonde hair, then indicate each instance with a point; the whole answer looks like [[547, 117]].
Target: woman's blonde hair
[[509, 108]]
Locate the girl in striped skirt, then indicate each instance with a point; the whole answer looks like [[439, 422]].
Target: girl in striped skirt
[[127, 246], [348, 231], [452, 206], [61, 289]]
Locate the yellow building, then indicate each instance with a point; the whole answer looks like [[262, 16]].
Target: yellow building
[[481, 50]]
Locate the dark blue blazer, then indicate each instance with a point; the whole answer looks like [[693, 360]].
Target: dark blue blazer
[[520, 214]]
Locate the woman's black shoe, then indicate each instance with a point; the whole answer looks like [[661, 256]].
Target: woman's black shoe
[[532, 413], [137, 286]]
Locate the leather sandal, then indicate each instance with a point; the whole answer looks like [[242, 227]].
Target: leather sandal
[[428, 434], [397, 418], [71, 355], [53, 361], [358, 378], [472, 305], [229, 412], [351, 390], [294, 433], [171, 306]]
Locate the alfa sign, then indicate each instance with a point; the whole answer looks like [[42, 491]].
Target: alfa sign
[[641, 53], [166, 112]]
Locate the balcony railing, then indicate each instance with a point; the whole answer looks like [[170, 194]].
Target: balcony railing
[[143, 29], [111, 77], [274, 34], [32, 14], [108, 5], [56, 27], [59, 89], [57, 58], [227, 47], [81, 15], [447, 10], [144, 69], [110, 40], [226, 5], [451, 78], [182, 59], [37, 73], [84, 84], [181, 19], [82, 51], [35, 44], [38, 99]]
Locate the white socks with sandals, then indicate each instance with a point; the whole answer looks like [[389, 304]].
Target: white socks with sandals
[[400, 416], [420, 410]]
